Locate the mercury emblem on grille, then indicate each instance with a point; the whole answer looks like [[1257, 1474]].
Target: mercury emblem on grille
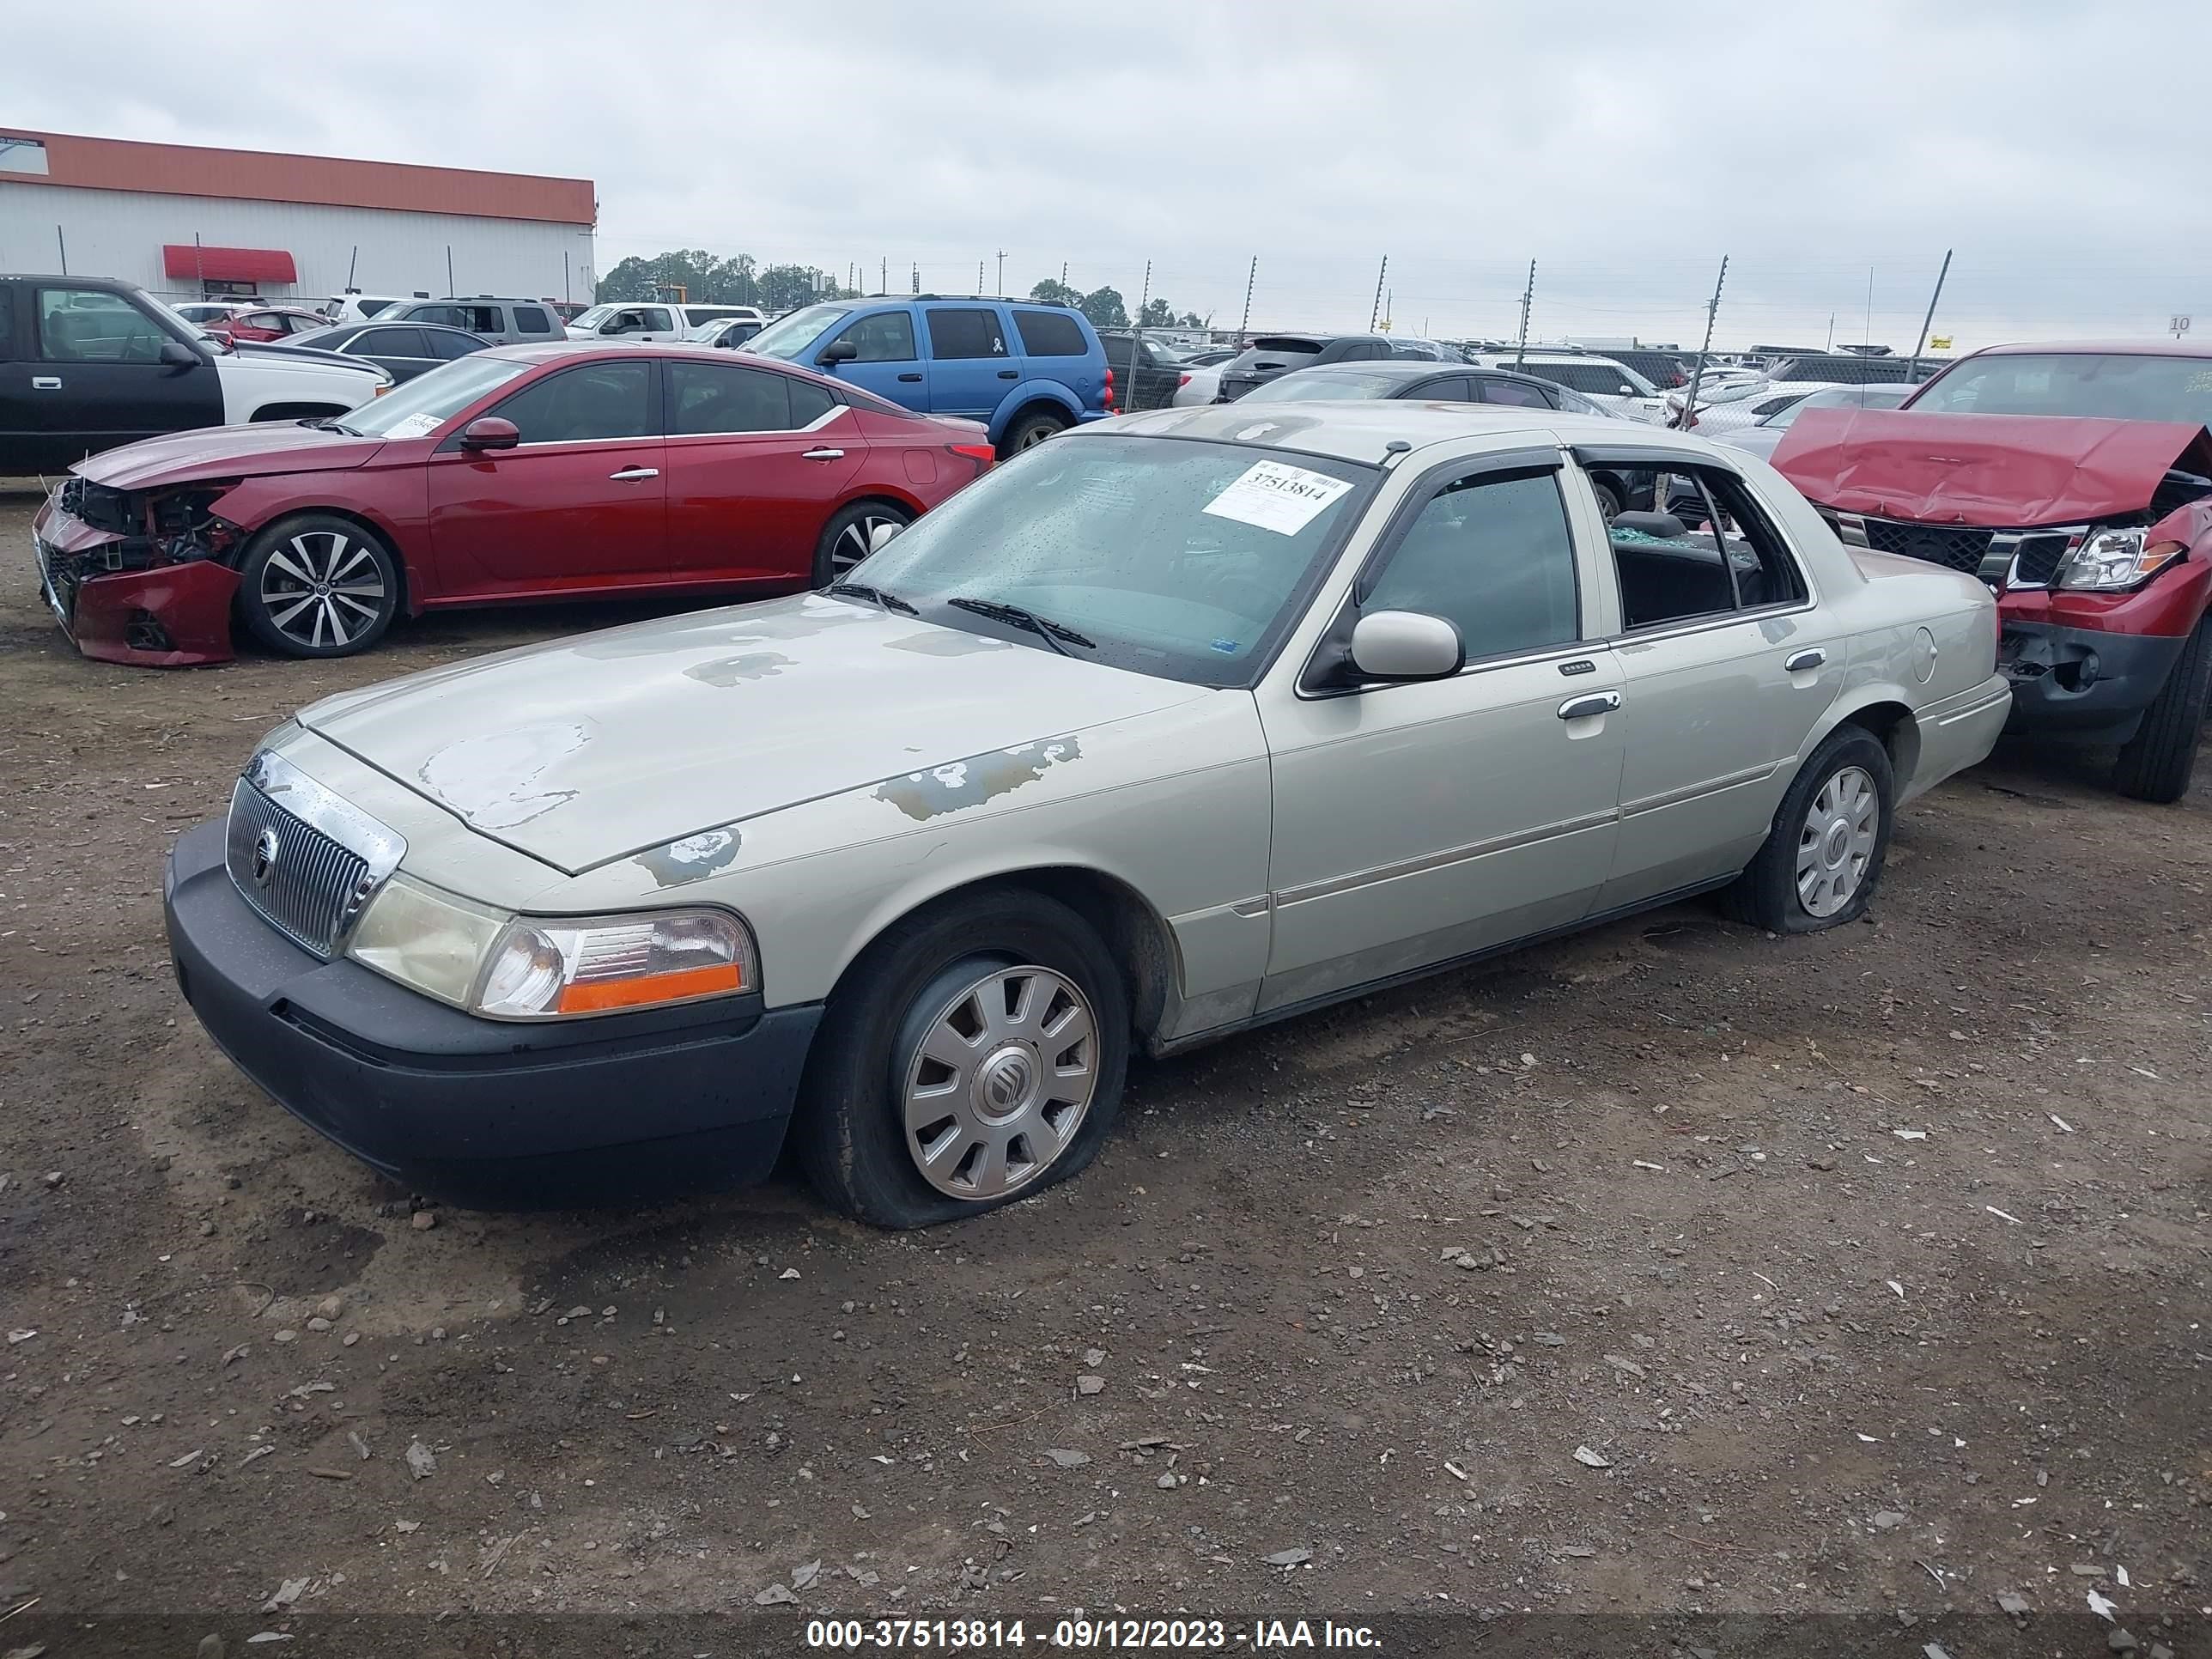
[[264, 858]]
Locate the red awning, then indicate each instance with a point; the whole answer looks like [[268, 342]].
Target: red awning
[[228, 265]]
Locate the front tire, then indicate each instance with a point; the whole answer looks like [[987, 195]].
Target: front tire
[[1823, 859], [2156, 763], [844, 540], [975, 1055], [318, 586]]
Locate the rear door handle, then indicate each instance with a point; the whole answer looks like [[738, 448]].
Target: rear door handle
[[1581, 709], [822, 455], [1010, 374], [634, 475], [915, 379], [1799, 661], [46, 383]]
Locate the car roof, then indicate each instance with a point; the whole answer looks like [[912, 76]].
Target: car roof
[[1365, 431], [2105, 348], [1403, 368], [550, 350]]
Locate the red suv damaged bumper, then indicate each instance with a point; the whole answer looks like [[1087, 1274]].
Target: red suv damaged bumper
[[2087, 666], [128, 599]]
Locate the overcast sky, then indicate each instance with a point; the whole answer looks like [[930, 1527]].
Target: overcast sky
[[1623, 147]]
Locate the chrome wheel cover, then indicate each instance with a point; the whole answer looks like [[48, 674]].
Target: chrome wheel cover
[[1835, 845], [1001, 1083], [322, 589]]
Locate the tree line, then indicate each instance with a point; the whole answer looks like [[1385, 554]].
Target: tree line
[[742, 280]]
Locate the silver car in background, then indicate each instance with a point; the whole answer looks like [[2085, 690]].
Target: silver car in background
[[1178, 724], [1763, 436]]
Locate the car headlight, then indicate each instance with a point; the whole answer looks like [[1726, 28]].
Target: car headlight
[[509, 967], [552, 968], [429, 940], [2112, 559]]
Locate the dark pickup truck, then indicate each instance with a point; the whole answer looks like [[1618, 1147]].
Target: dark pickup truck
[[2076, 481]]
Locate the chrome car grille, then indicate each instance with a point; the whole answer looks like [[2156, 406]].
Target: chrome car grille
[[2002, 558], [309, 873]]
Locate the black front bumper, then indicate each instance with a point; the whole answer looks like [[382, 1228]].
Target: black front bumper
[[483, 1112], [2080, 683]]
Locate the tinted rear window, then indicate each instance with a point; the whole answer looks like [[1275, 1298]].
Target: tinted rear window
[[1280, 354], [1843, 370], [530, 320], [1050, 334]]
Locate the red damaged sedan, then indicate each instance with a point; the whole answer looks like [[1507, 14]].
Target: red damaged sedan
[[524, 472]]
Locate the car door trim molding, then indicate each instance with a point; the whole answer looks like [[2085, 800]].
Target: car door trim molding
[[814, 425], [1705, 624], [1630, 809], [1450, 855]]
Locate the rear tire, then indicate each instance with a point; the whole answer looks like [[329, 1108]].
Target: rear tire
[[318, 586], [1027, 433], [2156, 763], [1822, 859], [876, 1105], [844, 540], [1608, 499]]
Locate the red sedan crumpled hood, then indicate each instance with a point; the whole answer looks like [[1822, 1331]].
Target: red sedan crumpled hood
[[2009, 470], [226, 451]]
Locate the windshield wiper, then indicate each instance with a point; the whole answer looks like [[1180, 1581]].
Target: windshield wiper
[[334, 426], [1052, 633], [862, 591]]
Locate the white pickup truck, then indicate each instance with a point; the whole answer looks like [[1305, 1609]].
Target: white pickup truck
[[644, 320]]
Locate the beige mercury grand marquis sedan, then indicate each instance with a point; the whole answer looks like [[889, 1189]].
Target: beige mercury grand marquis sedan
[[1178, 724]]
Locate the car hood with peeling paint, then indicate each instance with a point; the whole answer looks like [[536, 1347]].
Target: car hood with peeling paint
[[612, 744]]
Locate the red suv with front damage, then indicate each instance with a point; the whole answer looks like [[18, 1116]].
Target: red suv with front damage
[[2076, 480], [524, 472]]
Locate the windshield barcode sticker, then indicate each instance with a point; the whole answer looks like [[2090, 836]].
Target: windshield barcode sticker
[[1276, 496]]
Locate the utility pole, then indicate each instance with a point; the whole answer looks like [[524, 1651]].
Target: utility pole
[[1063, 273], [1137, 337], [1389, 306], [917, 275], [1250, 277], [1832, 330], [883, 274], [449, 269], [61, 243], [1697, 374], [1002, 270], [1374, 311], [1928, 321], [1867, 337], [1527, 299]]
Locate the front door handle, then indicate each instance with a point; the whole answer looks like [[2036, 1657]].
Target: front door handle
[[822, 455], [1799, 662], [1010, 374], [634, 475], [1581, 709], [46, 383], [915, 379]]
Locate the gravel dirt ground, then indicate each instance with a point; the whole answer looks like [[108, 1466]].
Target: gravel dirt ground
[[1672, 1271]]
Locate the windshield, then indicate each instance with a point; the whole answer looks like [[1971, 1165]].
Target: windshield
[[704, 331], [593, 317], [2115, 386], [1318, 385], [1183, 560], [787, 338], [428, 401]]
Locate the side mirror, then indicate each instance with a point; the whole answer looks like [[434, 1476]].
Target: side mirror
[[843, 351], [1406, 645], [879, 534], [175, 354], [489, 432]]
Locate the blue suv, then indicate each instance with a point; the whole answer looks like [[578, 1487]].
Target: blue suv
[[1024, 368]]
